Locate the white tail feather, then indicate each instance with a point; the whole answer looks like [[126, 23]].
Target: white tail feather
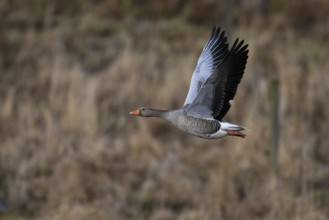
[[229, 126]]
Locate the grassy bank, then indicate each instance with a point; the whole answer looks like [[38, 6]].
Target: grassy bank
[[70, 74]]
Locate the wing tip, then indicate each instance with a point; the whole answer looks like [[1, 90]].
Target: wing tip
[[239, 47]]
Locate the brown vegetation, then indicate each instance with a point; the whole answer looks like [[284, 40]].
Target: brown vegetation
[[71, 72]]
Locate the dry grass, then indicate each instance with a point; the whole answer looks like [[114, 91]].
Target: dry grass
[[70, 150]]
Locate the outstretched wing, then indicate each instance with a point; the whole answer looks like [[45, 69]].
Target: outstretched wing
[[234, 67], [211, 56], [213, 98]]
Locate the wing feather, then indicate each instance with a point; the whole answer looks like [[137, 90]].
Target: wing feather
[[234, 65], [213, 98], [211, 56]]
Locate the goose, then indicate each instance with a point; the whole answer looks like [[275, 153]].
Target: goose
[[214, 83]]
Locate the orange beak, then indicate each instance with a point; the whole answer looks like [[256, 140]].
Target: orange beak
[[136, 112]]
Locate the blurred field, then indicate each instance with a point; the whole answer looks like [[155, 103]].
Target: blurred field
[[70, 72]]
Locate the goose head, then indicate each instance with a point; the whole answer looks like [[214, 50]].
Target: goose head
[[144, 112]]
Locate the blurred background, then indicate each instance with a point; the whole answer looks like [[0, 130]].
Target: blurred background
[[70, 72]]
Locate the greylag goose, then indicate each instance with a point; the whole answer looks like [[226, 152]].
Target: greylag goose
[[214, 83]]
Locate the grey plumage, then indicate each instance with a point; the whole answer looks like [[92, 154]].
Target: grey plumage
[[211, 56]]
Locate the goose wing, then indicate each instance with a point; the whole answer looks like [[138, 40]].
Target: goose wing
[[235, 67], [211, 56], [213, 98]]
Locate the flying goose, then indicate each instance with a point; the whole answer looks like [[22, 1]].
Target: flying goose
[[214, 83]]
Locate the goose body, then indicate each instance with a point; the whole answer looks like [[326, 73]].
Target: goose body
[[214, 83]]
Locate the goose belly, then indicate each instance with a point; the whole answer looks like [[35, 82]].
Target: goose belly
[[200, 127], [219, 134]]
